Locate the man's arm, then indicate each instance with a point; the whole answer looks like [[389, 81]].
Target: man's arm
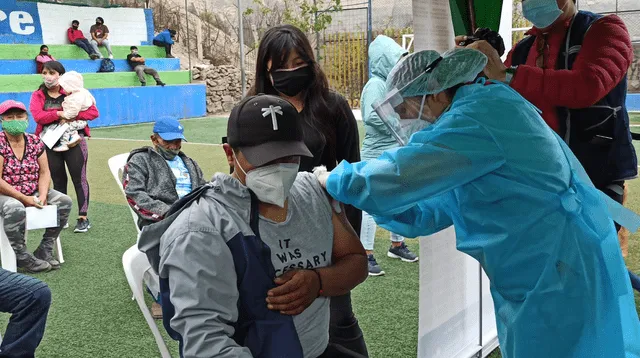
[[204, 292], [134, 182], [106, 32], [299, 288], [349, 260], [200, 176]]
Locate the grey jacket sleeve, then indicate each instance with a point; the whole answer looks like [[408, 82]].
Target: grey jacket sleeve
[[203, 287], [201, 179], [134, 180]]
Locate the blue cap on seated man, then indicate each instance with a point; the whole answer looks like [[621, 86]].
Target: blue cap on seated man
[[169, 128]]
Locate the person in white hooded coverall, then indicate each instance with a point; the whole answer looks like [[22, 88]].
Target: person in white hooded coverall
[[384, 54], [78, 99], [521, 205]]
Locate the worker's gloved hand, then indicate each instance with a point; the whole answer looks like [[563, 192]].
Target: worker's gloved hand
[[322, 174]]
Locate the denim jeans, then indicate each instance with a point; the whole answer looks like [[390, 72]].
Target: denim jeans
[[86, 46], [368, 232], [28, 300]]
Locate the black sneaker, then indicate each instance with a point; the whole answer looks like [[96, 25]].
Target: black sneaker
[[160, 83], [403, 253], [374, 268], [143, 84], [83, 225]]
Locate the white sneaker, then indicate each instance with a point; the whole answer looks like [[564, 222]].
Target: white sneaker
[[111, 57], [60, 148], [66, 226], [74, 140]]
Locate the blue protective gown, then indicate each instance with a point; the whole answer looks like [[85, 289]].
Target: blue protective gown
[[523, 207]]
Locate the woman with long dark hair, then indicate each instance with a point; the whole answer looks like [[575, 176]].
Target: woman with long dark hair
[[286, 67], [46, 108]]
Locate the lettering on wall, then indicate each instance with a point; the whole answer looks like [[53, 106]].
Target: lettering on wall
[[20, 23]]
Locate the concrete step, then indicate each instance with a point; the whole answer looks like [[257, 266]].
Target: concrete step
[[29, 52], [25, 83], [28, 67]]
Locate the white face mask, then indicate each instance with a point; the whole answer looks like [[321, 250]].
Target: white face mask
[[272, 183]]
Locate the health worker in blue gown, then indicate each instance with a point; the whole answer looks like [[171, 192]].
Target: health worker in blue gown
[[519, 200]]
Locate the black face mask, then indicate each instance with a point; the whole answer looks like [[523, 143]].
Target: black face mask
[[44, 53], [75, 27], [291, 83]]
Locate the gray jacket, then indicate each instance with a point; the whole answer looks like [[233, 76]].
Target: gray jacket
[[150, 186], [210, 261]]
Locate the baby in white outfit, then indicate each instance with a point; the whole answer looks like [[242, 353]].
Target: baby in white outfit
[[78, 99]]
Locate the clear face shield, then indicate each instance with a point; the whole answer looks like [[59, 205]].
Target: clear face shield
[[406, 115]]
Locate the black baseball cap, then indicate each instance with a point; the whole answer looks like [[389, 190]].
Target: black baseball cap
[[265, 128]]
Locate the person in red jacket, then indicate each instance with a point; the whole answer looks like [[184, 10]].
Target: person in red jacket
[[582, 95], [46, 108], [76, 37]]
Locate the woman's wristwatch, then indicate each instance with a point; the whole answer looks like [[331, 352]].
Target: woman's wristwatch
[[511, 71]]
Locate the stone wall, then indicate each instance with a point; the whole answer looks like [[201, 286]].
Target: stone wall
[[223, 86]]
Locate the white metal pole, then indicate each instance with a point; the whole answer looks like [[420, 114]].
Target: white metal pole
[[243, 80], [186, 15]]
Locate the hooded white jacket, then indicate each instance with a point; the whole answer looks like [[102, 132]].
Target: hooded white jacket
[[78, 99]]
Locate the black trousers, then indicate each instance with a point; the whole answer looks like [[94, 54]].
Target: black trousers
[[167, 47], [76, 161]]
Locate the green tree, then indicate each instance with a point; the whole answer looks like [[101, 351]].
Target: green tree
[[308, 16]]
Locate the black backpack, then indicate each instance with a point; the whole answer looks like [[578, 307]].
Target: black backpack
[[107, 65]]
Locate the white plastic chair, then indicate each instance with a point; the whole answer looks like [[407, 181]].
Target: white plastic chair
[[116, 166], [135, 265], [8, 256], [135, 262]]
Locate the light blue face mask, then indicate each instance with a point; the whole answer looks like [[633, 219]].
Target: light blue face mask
[[542, 13]]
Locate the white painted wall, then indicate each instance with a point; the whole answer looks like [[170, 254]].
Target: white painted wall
[[506, 22], [126, 26]]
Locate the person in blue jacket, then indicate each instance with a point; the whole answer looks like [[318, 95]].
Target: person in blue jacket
[[165, 39], [384, 54], [520, 202]]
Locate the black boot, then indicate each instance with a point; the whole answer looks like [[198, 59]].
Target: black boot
[[29, 263], [44, 252]]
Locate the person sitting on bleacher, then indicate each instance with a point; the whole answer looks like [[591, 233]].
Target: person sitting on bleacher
[[156, 177], [165, 39], [247, 263], [76, 37], [25, 183], [137, 64], [100, 37], [42, 58]]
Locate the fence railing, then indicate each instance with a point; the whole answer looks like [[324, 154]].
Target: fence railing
[[344, 58], [95, 3]]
